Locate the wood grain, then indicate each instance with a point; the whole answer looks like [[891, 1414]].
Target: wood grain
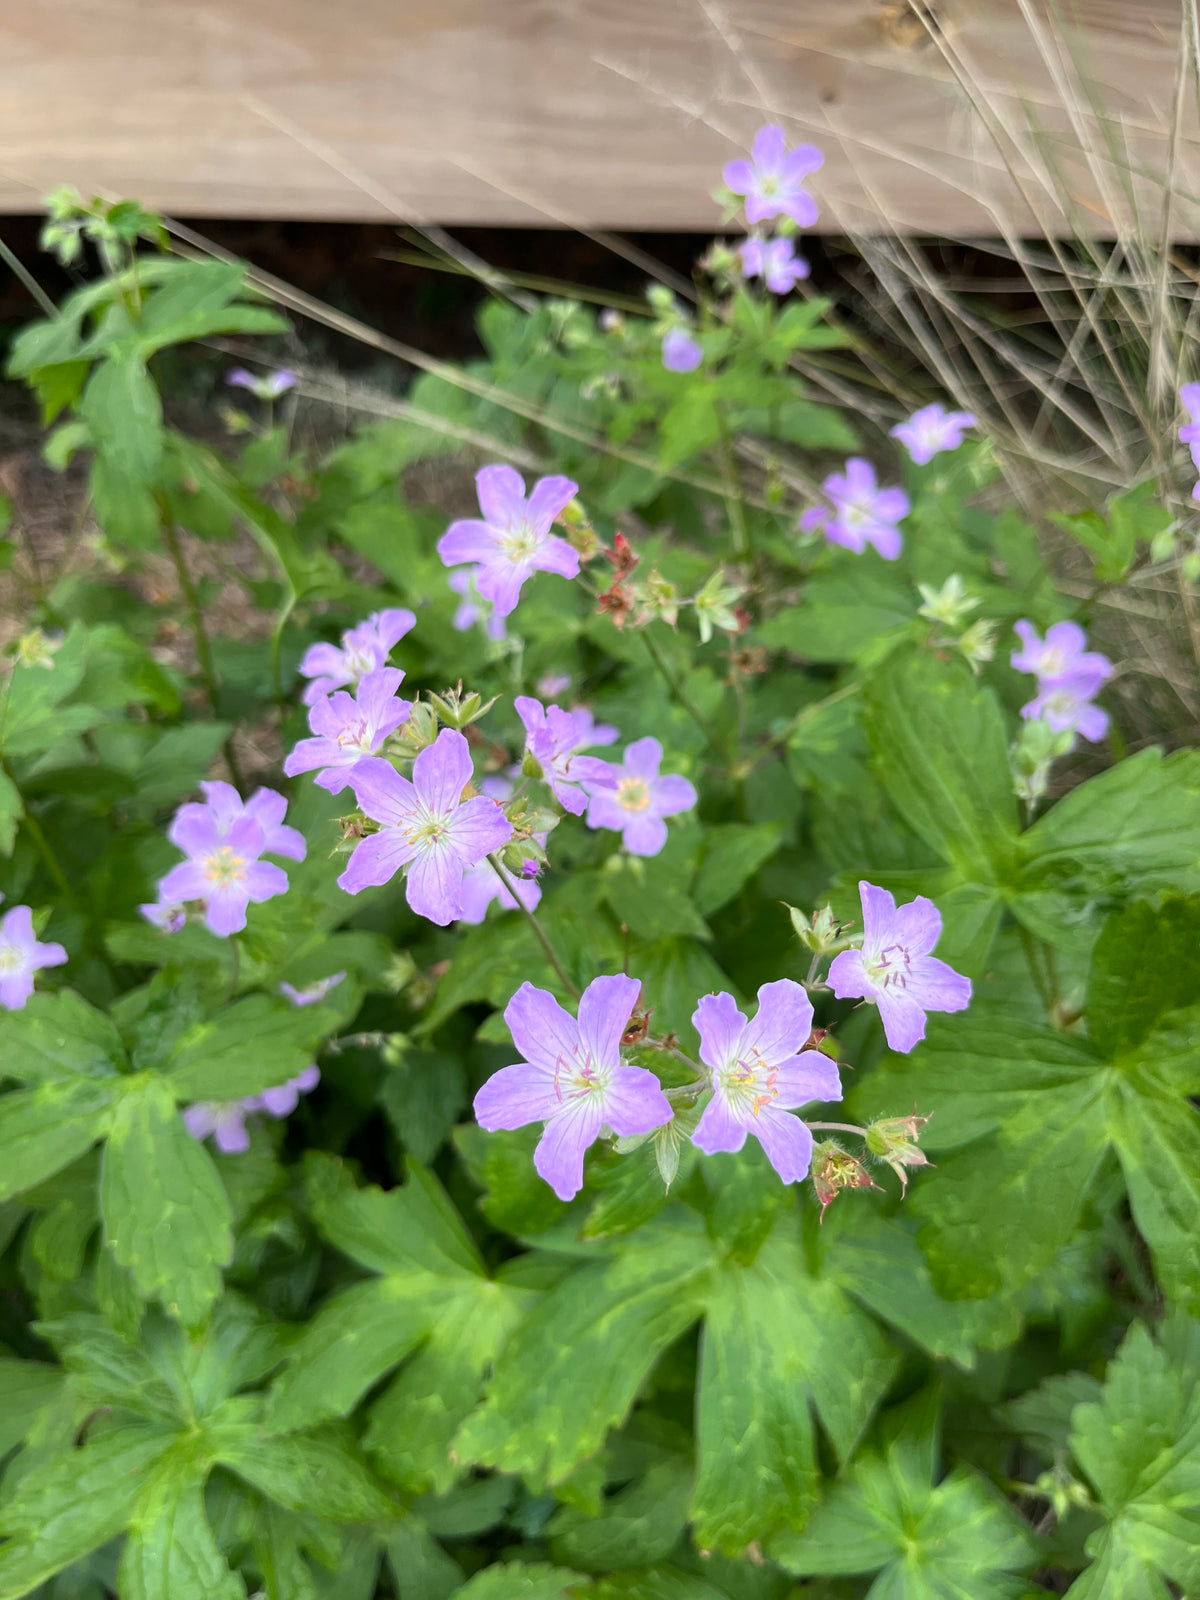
[[602, 113]]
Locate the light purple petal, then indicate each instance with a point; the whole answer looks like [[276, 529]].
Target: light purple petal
[[308, 1080], [879, 913], [603, 811], [542, 1031], [311, 754], [802, 162], [720, 1025], [263, 881], [559, 1155], [15, 989], [230, 1136], [184, 882], [225, 909], [635, 1103], [281, 1101], [47, 955], [200, 1120], [442, 771], [501, 583], [467, 540], [903, 1019], [16, 928], [432, 887], [892, 504], [937, 987], [769, 149], [643, 758], [781, 1026], [1091, 723], [324, 660], [801, 207], [604, 1012], [547, 498], [194, 830], [376, 860], [644, 835], [847, 978], [501, 491], [787, 1142], [917, 926], [477, 828], [739, 176], [516, 1096], [381, 792], [719, 1132], [808, 1077], [672, 794], [556, 555]]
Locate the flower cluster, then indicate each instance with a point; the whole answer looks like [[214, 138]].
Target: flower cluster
[[1068, 676], [363, 649]]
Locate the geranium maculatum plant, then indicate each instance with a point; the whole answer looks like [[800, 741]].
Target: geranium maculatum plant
[[694, 1096]]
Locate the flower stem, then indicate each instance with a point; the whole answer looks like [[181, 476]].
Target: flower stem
[[837, 1127], [42, 844], [235, 967], [681, 694], [539, 932]]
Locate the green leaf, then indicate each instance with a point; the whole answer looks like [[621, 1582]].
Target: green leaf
[[12, 810], [43, 1130], [124, 414], [317, 1475], [25, 1387], [1139, 1446], [252, 1045], [941, 750], [641, 1523], [420, 1567], [199, 301], [955, 1538], [574, 1367], [843, 619], [1157, 1137], [166, 1215], [650, 901], [171, 1553], [56, 1037], [516, 1580], [74, 1502], [1146, 962], [729, 858]]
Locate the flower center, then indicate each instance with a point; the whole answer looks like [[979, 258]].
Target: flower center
[[633, 794], [426, 830], [355, 736], [890, 968], [749, 1084], [856, 515], [11, 959], [359, 659], [1052, 663], [575, 1079], [520, 542], [224, 867]]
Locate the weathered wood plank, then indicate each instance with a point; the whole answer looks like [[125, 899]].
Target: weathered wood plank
[[613, 113]]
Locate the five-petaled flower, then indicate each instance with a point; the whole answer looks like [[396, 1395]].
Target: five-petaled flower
[[772, 181], [680, 352], [426, 825], [896, 969], [774, 261], [363, 649], [348, 727], [760, 1073], [572, 1078], [552, 738], [635, 808], [513, 541], [313, 993], [223, 840], [224, 1121], [21, 955], [931, 430], [859, 513], [1068, 675]]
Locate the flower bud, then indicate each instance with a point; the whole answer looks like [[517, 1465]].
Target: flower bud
[[35, 649], [894, 1140], [658, 598], [978, 643], [1162, 546], [949, 605], [459, 710], [822, 933], [577, 525], [418, 730], [531, 767]]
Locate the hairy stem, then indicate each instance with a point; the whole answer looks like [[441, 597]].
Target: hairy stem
[[204, 657], [539, 932], [836, 1127]]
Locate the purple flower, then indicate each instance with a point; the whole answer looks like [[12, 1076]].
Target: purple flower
[[363, 649], [1068, 675], [472, 609], [349, 727], [641, 799], [571, 1078], [931, 430], [1063, 653], [1066, 705], [224, 1121], [426, 826], [680, 352], [760, 1072], [223, 840], [775, 262], [773, 180], [21, 955], [481, 885], [552, 737], [312, 994], [592, 733], [861, 513], [554, 683], [267, 386], [514, 540], [168, 915], [895, 968]]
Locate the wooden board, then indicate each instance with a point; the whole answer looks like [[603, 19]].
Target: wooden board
[[601, 113]]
